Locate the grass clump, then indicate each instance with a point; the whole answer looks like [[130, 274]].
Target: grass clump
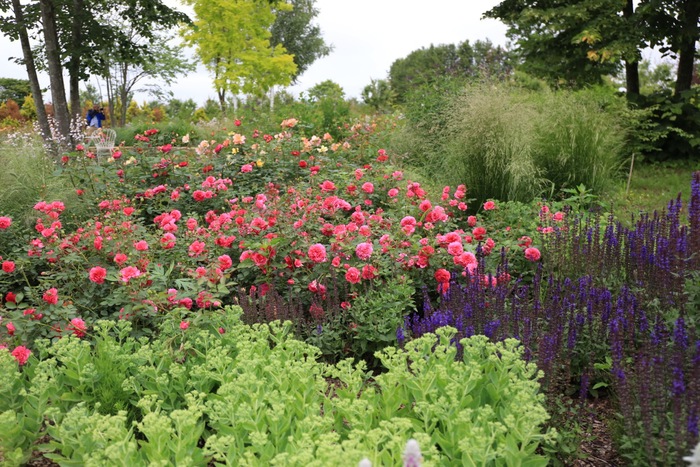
[[512, 144]]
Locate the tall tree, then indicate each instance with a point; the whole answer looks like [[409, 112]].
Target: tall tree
[[295, 31], [565, 42], [674, 25], [17, 27], [53, 57], [72, 31], [232, 39], [579, 41]]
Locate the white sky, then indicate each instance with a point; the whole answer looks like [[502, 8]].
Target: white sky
[[367, 36]]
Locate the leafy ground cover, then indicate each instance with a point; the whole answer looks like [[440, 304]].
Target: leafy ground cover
[[366, 265]]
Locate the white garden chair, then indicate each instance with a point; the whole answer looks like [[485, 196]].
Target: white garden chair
[[103, 140]]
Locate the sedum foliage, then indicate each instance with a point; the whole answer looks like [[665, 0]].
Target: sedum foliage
[[254, 395]]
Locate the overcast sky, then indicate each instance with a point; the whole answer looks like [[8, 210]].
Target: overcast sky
[[367, 36]]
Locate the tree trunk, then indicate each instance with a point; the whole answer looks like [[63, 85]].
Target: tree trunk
[[631, 65], [689, 16], [75, 59], [31, 71], [110, 94], [632, 78], [53, 57], [124, 94]]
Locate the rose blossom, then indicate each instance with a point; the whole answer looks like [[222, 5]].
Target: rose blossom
[[129, 273], [78, 327], [21, 354], [141, 245], [8, 266], [225, 262], [532, 253], [120, 258], [5, 222], [317, 253], [98, 274], [51, 296], [364, 250], [352, 275]]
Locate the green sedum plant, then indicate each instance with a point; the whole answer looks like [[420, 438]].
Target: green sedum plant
[[217, 391]]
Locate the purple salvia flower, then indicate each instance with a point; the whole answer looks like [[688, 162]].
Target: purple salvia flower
[[400, 336], [693, 419], [680, 336], [678, 385]]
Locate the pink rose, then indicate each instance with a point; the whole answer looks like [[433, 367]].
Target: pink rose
[[364, 250], [51, 296], [21, 354], [78, 327], [352, 275], [98, 274], [8, 266], [129, 273], [317, 253], [532, 254]]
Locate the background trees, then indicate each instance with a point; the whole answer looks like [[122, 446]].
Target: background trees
[[461, 61], [577, 43], [295, 31], [76, 37]]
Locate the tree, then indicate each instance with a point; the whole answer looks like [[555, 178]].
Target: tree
[[53, 58], [67, 46], [232, 39], [327, 89], [91, 31], [579, 42], [16, 27], [565, 42], [124, 73], [377, 94], [674, 25], [293, 29], [463, 61], [15, 89]]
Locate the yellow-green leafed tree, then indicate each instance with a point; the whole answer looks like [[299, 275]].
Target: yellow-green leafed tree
[[232, 39]]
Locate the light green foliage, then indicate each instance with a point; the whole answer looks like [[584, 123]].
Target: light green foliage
[[482, 409], [232, 39], [266, 400]]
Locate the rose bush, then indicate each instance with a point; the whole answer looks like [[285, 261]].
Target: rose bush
[[196, 227]]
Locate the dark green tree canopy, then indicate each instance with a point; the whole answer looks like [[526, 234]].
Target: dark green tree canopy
[[15, 89], [576, 42], [462, 60], [298, 34]]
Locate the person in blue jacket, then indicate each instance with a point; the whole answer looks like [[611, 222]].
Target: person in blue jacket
[[95, 116]]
